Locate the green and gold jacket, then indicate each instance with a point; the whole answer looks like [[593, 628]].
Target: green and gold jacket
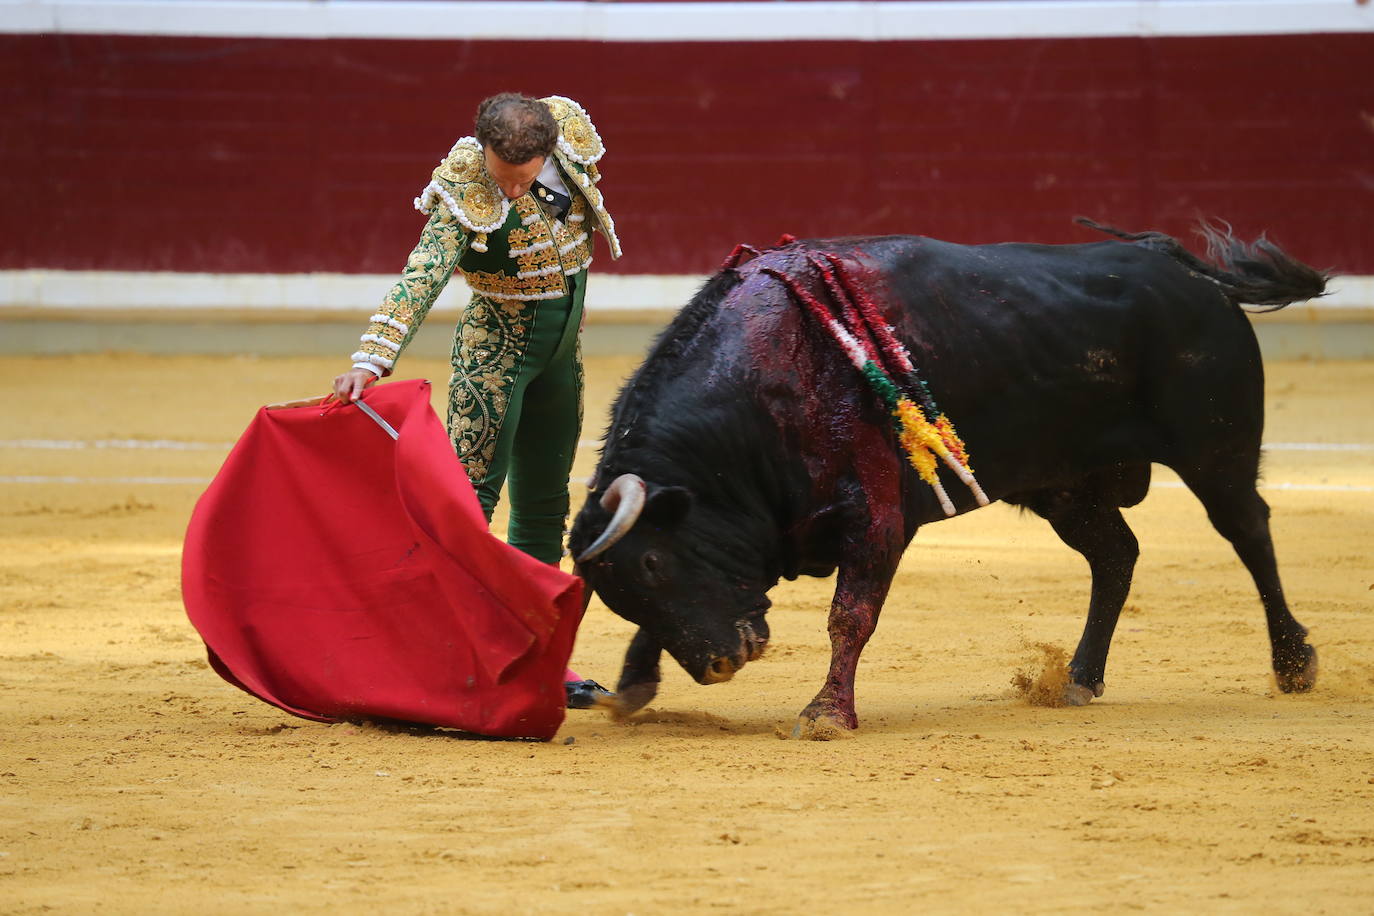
[[505, 249]]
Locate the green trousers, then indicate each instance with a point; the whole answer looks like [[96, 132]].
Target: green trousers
[[515, 410]]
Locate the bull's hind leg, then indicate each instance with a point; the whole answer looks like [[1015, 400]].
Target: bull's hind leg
[[1240, 514], [1089, 522]]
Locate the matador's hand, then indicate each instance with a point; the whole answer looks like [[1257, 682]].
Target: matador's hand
[[349, 386]]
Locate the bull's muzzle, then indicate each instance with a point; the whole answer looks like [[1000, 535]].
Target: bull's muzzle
[[719, 671], [751, 646]]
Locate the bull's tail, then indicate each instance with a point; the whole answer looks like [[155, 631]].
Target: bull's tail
[[1255, 273]]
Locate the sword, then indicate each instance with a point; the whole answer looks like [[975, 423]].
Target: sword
[[378, 418]]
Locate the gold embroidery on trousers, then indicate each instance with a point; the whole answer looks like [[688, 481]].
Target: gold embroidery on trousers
[[486, 360]]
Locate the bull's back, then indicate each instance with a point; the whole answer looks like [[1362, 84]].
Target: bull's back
[[1054, 360], [1051, 361]]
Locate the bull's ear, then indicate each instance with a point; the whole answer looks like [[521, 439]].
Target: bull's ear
[[666, 506]]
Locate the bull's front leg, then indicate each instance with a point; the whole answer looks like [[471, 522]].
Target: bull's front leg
[[639, 677], [860, 590]]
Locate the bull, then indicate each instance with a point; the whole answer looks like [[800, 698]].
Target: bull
[[746, 449]]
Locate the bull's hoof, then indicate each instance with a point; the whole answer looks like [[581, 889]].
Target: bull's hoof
[[1077, 695], [1300, 676], [628, 700], [821, 728]]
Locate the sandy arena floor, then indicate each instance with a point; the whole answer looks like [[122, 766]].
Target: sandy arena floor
[[133, 780]]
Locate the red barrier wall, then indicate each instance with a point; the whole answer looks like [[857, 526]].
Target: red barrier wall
[[297, 155]]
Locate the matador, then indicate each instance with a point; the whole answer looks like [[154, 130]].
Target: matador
[[513, 209]]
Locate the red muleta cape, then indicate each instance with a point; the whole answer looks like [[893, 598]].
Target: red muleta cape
[[339, 574]]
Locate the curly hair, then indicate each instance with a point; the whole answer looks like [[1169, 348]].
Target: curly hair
[[516, 127]]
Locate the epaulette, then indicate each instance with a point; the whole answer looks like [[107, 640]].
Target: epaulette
[[461, 182], [577, 136]]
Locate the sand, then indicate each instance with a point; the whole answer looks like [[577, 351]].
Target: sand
[[133, 780]]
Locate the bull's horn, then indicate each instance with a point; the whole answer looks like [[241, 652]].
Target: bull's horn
[[624, 497]]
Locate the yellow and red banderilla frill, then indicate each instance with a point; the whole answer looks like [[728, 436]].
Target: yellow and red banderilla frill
[[868, 343]]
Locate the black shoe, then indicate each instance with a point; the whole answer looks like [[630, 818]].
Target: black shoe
[[583, 694]]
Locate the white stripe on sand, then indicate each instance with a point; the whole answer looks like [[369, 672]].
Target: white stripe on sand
[[1318, 487], [1318, 447], [173, 445]]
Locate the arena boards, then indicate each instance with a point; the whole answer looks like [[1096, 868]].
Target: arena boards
[[255, 155]]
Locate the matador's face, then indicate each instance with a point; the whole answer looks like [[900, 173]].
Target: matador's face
[[513, 180]]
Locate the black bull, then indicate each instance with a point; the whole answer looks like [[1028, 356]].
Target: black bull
[[746, 448]]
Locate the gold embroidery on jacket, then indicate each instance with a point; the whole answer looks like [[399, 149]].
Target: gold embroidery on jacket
[[544, 251], [427, 269], [504, 286], [475, 199]]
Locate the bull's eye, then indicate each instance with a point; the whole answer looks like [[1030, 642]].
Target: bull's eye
[[651, 562]]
